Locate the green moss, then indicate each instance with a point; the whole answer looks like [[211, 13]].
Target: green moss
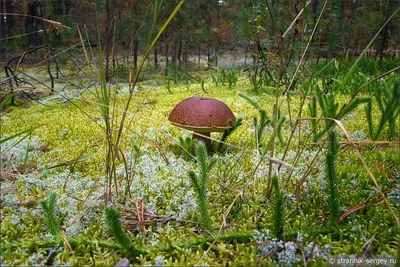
[[70, 134]]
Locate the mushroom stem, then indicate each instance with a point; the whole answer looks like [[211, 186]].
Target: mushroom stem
[[204, 138]]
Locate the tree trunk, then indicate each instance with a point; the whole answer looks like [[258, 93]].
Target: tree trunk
[[185, 57], [245, 55], [180, 53], [2, 29], [108, 39], [135, 53], [174, 54], [155, 57], [166, 59], [57, 7], [216, 55], [314, 10], [31, 23], [199, 58], [67, 6], [135, 35], [386, 31], [10, 20]]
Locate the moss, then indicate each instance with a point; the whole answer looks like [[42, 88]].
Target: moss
[[159, 177]]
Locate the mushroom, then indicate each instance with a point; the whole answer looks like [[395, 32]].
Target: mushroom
[[202, 116]]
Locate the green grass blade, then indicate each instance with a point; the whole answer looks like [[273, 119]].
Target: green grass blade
[[355, 64], [69, 162], [19, 134], [27, 149], [171, 16], [6, 101]]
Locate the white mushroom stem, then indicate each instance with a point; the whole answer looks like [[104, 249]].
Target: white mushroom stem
[[204, 138]]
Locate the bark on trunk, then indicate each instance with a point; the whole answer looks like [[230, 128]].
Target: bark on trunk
[[166, 59], [174, 53], [108, 39], [180, 54], [155, 57], [385, 32], [31, 23], [2, 28], [10, 20], [216, 55], [199, 58], [314, 9], [135, 53]]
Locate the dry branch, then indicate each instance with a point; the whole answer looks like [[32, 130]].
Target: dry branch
[[141, 216]]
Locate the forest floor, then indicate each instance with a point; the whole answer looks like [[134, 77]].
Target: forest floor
[[54, 161]]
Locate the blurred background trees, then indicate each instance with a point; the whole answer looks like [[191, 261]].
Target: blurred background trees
[[202, 28]]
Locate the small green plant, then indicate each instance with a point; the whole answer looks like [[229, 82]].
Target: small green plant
[[259, 124], [281, 119], [388, 105], [49, 209], [278, 212], [231, 78], [115, 228], [187, 145], [228, 132], [202, 86], [168, 86], [200, 183], [331, 158], [222, 77], [216, 79], [326, 100]]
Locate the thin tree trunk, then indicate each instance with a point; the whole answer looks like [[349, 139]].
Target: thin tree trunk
[[314, 10], [180, 53], [67, 6], [135, 53], [385, 32], [155, 56], [48, 55], [2, 29], [135, 35], [245, 54], [166, 59], [10, 20], [185, 57], [30, 23], [216, 55], [108, 39], [174, 53], [199, 57]]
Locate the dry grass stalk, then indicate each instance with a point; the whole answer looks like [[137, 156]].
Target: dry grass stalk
[[365, 142], [141, 216]]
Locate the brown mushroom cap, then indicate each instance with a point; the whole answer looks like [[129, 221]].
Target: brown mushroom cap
[[202, 115]]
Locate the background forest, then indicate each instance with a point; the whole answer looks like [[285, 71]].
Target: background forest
[[203, 27], [94, 171]]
